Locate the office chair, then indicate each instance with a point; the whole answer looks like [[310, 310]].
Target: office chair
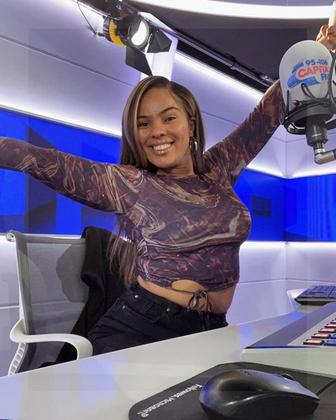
[[51, 298]]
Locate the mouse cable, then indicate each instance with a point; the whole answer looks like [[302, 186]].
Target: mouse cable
[[325, 387]]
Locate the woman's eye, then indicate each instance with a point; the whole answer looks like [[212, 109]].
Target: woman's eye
[[170, 118], [142, 124]]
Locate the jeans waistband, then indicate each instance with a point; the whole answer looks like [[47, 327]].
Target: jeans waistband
[[174, 307]]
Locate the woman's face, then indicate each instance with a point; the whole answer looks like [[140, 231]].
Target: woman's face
[[163, 131]]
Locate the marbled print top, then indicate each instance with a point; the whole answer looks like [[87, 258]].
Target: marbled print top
[[183, 228]]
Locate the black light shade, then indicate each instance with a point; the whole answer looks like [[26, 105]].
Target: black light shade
[[137, 59], [159, 42]]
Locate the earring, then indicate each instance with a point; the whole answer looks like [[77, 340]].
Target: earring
[[193, 145]]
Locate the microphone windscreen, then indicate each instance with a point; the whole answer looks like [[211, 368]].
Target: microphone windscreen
[[306, 62]]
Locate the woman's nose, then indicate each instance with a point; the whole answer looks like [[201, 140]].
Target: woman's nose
[[158, 130]]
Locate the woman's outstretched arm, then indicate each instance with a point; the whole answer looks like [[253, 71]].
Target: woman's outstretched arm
[[103, 186], [236, 151]]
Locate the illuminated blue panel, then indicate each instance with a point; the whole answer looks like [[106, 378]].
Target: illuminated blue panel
[[302, 209], [65, 215], [13, 184], [264, 196], [310, 209], [12, 200], [29, 206], [13, 125]]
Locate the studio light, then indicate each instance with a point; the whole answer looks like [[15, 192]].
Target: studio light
[[139, 32], [138, 35], [130, 30]]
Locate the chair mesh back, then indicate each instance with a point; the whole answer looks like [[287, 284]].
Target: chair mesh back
[[52, 293]]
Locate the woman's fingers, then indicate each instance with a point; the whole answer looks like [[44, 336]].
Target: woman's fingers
[[327, 36]]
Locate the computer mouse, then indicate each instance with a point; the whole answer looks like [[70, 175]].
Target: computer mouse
[[247, 394]]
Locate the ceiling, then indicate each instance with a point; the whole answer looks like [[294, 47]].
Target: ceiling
[[247, 49]]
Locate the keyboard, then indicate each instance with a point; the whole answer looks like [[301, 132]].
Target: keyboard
[[307, 344], [317, 295]]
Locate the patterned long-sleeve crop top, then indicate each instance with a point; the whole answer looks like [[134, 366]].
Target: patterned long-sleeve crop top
[[183, 228]]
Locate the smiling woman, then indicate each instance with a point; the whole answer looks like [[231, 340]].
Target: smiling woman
[[175, 203], [164, 132], [188, 222], [162, 125]]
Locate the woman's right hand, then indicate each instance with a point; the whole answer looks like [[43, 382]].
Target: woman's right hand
[[327, 37]]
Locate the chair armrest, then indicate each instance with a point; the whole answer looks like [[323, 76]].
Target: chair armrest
[[81, 344]]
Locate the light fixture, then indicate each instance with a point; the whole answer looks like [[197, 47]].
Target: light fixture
[[130, 30], [139, 32], [127, 28]]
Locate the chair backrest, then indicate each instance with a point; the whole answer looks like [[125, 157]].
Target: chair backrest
[[52, 295]]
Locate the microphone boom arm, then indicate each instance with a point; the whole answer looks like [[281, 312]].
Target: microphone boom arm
[[323, 156]]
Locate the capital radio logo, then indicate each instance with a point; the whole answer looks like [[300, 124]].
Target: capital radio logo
[[311, 72]]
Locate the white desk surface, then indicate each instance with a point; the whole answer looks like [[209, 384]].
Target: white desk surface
[[106, 386]]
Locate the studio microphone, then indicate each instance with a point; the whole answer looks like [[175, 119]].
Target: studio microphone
[[306, 77]]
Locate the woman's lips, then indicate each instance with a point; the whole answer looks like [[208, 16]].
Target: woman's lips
[[161, 149]]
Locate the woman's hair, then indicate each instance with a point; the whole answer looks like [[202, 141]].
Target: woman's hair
[[132, 154], [131, 151]]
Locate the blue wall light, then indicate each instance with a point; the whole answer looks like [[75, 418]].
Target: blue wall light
[[29, 206]]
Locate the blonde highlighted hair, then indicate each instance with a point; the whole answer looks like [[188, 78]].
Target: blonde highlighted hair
[[132, 153]]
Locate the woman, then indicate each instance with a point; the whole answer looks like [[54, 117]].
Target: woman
[[175, 203]]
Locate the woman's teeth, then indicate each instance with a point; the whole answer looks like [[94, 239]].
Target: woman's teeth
[[161, 147]]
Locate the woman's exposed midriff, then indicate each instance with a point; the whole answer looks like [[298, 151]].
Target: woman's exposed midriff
[[182, 291]]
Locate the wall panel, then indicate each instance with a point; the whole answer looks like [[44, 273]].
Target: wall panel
[[57, 28], [300, 157], [311, 262], [59, 90]]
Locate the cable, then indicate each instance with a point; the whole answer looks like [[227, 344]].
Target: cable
[[325, 387], [91, 27]]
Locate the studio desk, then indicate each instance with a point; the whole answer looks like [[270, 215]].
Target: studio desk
[[106, 386]]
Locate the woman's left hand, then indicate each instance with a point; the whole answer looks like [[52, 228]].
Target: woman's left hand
[[327, 37]]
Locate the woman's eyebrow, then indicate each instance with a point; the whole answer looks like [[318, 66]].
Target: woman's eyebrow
[[161, 112]]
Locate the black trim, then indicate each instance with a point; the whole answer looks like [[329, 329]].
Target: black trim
[[224, 63]]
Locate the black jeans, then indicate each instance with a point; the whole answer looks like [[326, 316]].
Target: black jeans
[[140, 317]]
